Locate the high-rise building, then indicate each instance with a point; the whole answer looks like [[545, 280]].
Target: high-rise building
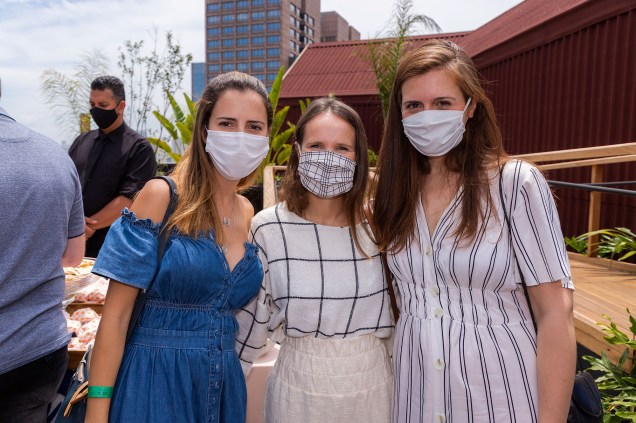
[[258, 36], [198, 80], [334, 27]]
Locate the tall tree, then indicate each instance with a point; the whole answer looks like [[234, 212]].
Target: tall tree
[[68, 95], [145, 72], [385, 51]]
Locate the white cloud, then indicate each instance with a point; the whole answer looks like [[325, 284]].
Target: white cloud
[[36, 35]]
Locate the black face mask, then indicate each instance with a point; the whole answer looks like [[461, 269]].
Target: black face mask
[[104, 118]]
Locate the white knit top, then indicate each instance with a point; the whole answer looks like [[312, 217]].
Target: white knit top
[[316, 283]]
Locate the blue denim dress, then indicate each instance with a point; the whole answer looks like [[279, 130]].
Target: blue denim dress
[[180, 364]]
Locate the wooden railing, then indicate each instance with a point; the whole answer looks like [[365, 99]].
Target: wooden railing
[[594, 157]]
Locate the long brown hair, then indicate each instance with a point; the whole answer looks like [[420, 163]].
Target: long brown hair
[[401, 166], [196, 212], [292, 190]]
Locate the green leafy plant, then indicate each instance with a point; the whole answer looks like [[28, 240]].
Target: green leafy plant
[[279, 148], [618, 381], [385, 54], [373, 158], [577, 244], [619, 242], [180, 131]]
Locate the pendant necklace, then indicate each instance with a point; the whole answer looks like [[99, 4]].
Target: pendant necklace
[[227, 221]]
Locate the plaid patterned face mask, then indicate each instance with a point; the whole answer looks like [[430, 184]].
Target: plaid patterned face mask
[[326, 174]]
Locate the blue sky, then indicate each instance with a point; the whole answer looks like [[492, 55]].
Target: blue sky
[[36, 35]]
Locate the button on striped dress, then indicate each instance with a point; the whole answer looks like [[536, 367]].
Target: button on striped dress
[[465, 346]]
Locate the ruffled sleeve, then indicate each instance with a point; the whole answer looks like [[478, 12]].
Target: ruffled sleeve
[[537, 237], [129, 253]]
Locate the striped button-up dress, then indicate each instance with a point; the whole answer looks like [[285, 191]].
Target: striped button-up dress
[[465, 346]]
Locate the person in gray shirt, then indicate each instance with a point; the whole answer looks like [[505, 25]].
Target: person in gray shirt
[[41, 230]]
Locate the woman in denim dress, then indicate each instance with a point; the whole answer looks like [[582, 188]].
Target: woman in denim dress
[[180, 364]]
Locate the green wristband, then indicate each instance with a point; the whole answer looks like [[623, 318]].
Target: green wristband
[[100, 391]]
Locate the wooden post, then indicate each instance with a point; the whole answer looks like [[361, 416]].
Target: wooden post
[[85, 122], [269, 187], [594, 219]]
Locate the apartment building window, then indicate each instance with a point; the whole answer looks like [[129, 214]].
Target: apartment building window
[[228, 55], [273, 39], [292, 46], [311, 21], [242, 41], [213, 7], [213, 31], [258, 2], [242, 54], [258, 40], [273, 1], [228, 67], [242, 4], [213, 56], [292, 33], [228, 18], [273, 52], [273, 26], [228, 30], [228, 5], [214, 19], [258, 27], [228, 42], [311, 32], [258, 15], [213, 68], [292, 8], [292, 21], [271, 77], [273, 64], [260, 76], [242, 67], [258, 66], [242, 29], [274, 13], [213, 43], [259, 52]]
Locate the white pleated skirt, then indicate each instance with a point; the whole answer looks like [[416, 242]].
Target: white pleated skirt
[[330, 381]]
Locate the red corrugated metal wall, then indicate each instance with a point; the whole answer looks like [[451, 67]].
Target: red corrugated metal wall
[[578, 90], [367, 106]]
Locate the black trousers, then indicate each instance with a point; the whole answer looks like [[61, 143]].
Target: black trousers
[[25, 392]]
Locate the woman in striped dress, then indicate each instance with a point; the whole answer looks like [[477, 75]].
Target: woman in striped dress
[[465, 347]]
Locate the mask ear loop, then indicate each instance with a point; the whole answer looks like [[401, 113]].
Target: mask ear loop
[[297, 147]]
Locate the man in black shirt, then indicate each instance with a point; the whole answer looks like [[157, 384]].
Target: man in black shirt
[[114, 162]]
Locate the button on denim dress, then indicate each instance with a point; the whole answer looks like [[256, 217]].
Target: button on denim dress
[[180, 363]]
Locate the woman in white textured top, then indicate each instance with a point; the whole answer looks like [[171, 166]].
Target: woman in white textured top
[[324, 296], [465, 347]]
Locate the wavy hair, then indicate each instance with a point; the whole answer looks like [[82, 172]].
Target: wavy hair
[[401, 167], [196, 212]]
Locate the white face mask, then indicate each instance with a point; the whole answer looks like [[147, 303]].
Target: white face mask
[[326, 174], [435, 132], [236, 154]]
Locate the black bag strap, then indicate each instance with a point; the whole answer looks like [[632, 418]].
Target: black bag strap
[[523, 280], [140, 301]]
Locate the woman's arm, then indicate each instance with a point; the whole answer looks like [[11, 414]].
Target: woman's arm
[[556, 349], [109, 345], [151, 203]]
